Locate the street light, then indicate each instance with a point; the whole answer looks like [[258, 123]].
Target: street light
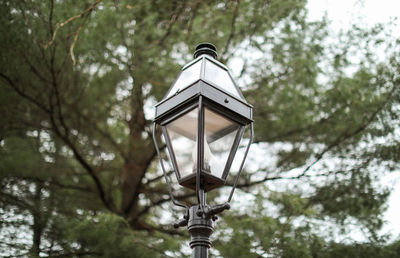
[[202, 117]]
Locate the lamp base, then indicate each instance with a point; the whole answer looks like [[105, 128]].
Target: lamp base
[[200, 229]]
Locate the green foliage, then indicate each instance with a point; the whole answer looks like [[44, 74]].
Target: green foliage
[[110, 236], [359, 250], [259, 236]]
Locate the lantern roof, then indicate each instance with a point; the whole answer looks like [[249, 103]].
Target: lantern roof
[[206, 68]]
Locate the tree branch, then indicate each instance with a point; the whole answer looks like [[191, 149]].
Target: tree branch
[[71, 49], [16, 201], [60, 25], [174, 19], [109, 205], [339, 140], [161, 201], [151, 228], [194, 14], [23, 94], [106, 135], [233, 27]]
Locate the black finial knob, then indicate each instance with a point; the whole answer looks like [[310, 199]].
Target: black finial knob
[[207, 49]]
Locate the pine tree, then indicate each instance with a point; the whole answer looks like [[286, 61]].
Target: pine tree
[[78, 168]]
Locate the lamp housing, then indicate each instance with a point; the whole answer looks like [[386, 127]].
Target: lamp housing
[[203, 117]]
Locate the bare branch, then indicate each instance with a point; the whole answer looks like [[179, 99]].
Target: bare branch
[[60, 25], [233, 27], [174, 18], [194, 13], [149, 181], [71, 49]]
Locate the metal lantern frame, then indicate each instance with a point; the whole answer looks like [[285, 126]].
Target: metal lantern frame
[[204, 95]]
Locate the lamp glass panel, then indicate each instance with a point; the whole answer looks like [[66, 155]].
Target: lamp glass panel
[[186, 78], [183, 135], [220, 77], [219, 134]]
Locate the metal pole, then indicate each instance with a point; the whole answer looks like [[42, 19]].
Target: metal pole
[[200, 229]]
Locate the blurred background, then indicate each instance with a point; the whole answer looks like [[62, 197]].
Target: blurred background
[[79, 80]]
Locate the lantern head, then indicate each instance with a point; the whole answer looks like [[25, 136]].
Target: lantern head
[[203, 117]]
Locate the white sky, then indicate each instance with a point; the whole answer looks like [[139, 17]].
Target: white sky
[[343, 13]]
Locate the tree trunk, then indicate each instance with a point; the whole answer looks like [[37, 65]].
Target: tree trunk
[[132, 176]]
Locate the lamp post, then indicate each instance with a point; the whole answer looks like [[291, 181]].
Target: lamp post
[[202, 118]]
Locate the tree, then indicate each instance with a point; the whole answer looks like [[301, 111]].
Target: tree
[[79, 175]]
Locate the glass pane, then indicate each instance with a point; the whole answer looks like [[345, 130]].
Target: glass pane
[[187, 77], [183, 134], [220, 134], [220, 77]]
